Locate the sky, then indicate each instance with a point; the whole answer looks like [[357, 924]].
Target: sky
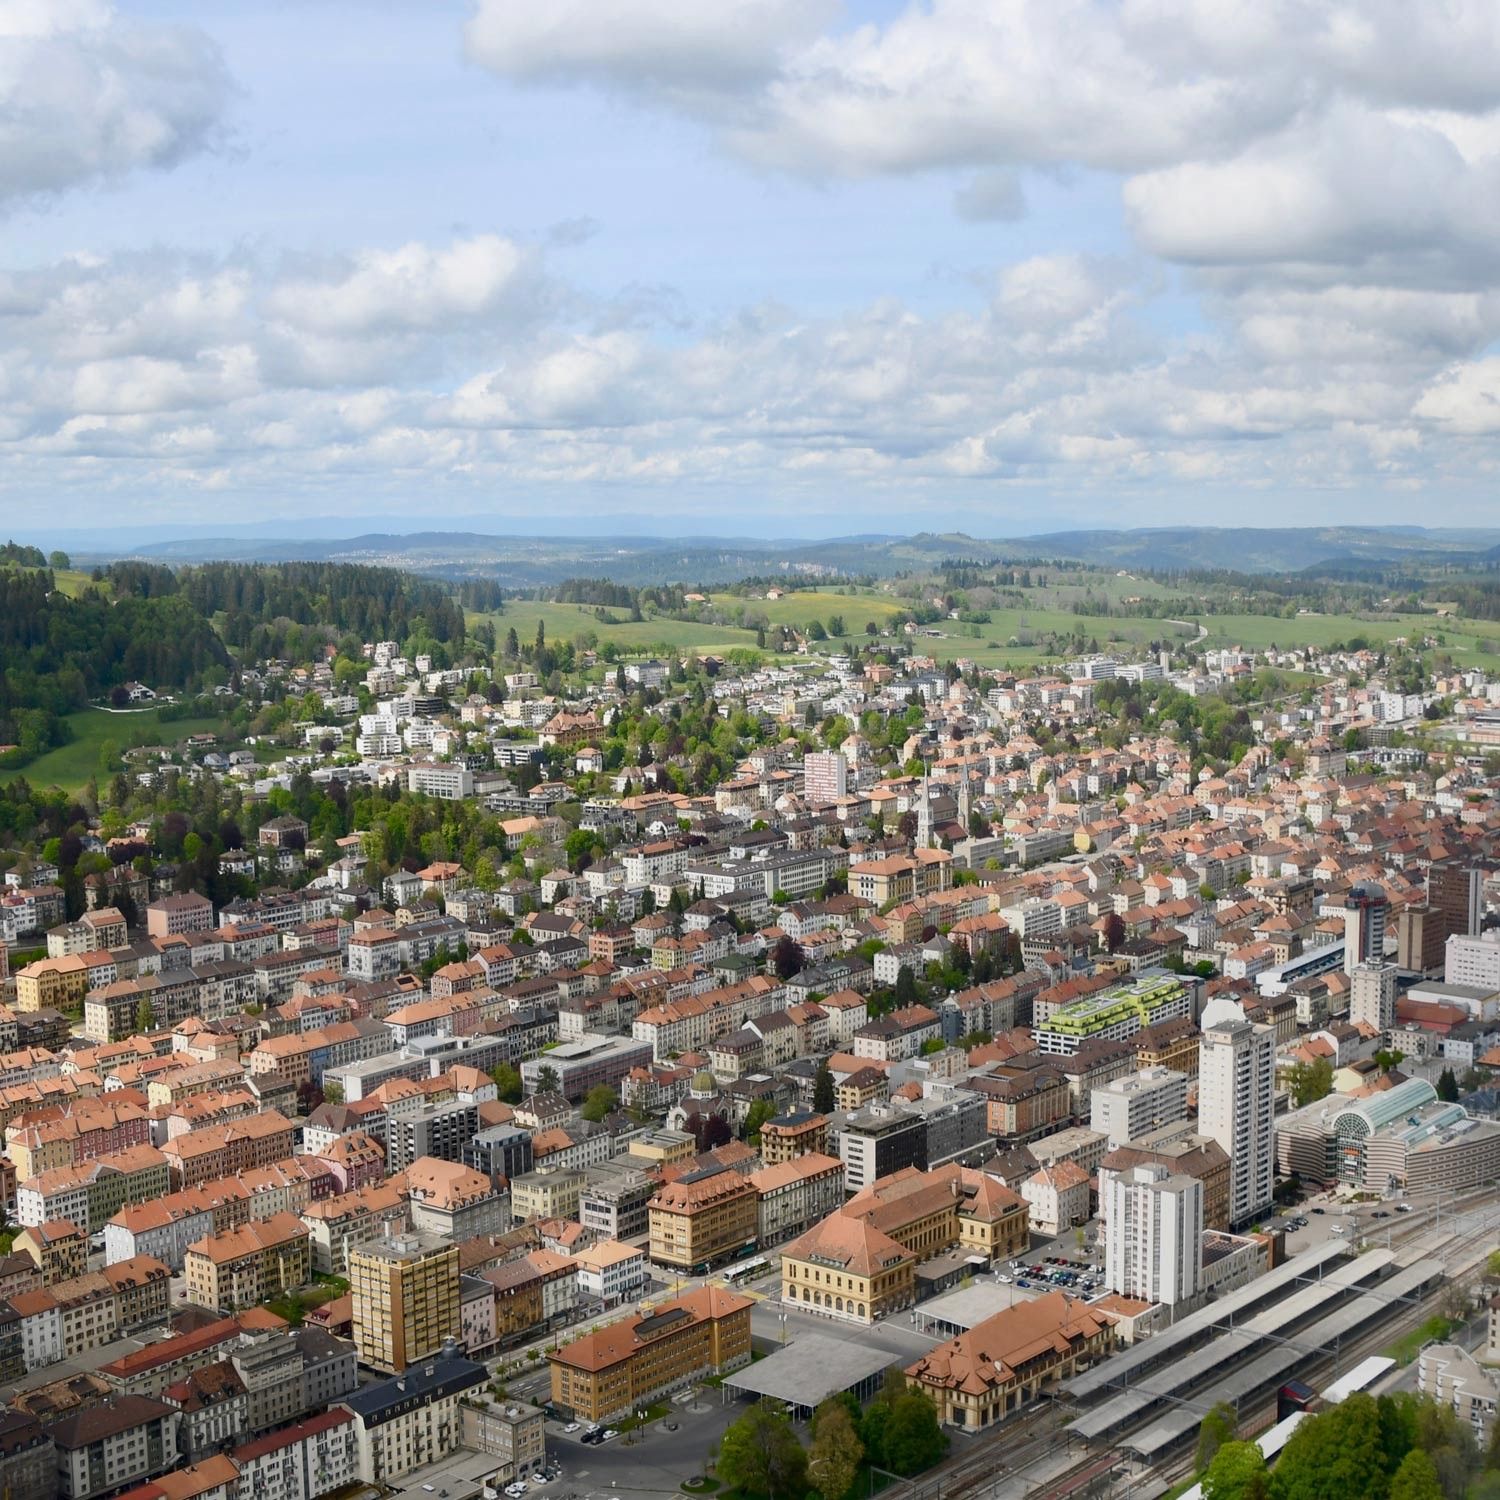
[[749, 267]]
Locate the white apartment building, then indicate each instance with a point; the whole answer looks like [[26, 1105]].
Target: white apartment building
[[1236, 1103], [825, 777], [439, 779], [412, 1420], [1449, 1375], [611, 1272], [41, 1331], [52, 1195], [1154, 1235], [1473, 960], [1034, 918], [160, 1229], [1372, 996], [1125, 1108], [301, 1462]]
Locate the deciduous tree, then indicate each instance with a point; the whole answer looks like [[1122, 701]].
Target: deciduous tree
[[1217, 1428], [786, 957], [761, 1111], [1339, 1454], [1238, 1472], [913, 1439], [1416, 1479], [1311, 1081], [836, 1450], [508, 1081], [761, 1454], [600, 1102]]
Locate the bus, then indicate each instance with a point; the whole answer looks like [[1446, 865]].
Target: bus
[[746, 1270]]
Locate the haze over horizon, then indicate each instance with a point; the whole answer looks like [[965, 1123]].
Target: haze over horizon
[[765, 267]]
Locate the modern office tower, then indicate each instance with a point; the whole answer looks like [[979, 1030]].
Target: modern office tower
[[1455, 891], [1153, 1237], [1419, 939], [1365, 911], [1236, 1103], [406, 1299], [1372, 996]]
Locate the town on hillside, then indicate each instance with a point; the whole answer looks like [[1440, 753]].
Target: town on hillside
[[438, 1064]]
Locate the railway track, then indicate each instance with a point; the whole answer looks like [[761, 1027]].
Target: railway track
[[998, 1461]]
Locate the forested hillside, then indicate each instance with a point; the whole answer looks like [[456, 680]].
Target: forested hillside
[[371, 603], [184, 631], [57, 653]]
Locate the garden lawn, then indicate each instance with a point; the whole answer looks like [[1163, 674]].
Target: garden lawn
[[70, 766]]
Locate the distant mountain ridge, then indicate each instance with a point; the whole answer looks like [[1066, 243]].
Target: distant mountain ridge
[[529, 562], [1253, 549]]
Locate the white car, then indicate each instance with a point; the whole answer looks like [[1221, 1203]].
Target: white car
[[571, 1427], [610, 1432], [1003, 1278]]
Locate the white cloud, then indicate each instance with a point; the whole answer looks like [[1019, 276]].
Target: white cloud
[[398, 371], [414, 287], [1465, 399], [86, 96], [1316, 139], [685, 50], [1393, 201]]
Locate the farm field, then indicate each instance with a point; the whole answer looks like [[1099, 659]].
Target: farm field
[[566, 622], [798, 608], [70, 766], [990, 645], [71, 581], [1010, 636], [1466, 639]]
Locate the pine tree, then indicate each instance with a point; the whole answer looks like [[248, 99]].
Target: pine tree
[[823, 1100]]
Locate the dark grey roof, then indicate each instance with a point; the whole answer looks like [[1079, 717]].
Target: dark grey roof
[[92, 1424], [422, 1383]]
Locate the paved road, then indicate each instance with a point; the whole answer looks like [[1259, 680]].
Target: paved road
[[654, 1463]]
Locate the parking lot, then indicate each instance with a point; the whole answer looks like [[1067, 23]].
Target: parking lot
[[652, 1461], [1060, 1272], [1325, 1216]]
